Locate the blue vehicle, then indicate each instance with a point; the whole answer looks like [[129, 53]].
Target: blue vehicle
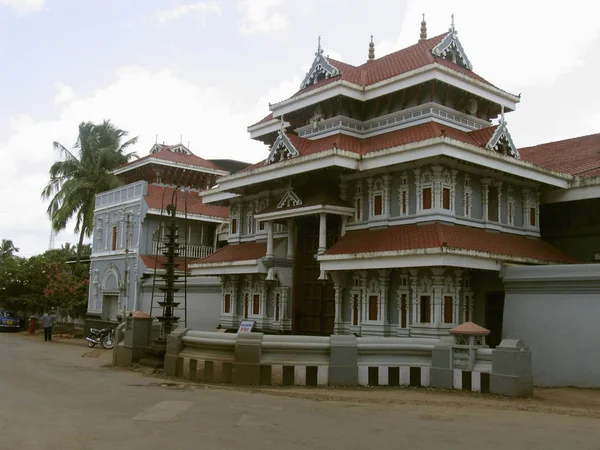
[[8, 321]]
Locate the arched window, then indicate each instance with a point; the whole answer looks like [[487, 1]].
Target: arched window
[[426, 191]]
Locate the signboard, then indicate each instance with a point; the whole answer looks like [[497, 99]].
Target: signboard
[[461, 359], [246, 326]]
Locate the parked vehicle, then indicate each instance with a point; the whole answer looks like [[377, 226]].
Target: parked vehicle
[[8, 321], [102, 336]]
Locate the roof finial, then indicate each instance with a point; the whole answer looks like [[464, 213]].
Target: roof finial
[[281, 124], [319, 49], [371, 50], [502, 120], [423, 35], [452, 29]]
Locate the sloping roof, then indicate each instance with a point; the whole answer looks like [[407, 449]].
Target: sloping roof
[[404, 136], [264, 119], [577, 156], [195, 204], [438, 235], [151, 262], [177, 157], [235, 252]]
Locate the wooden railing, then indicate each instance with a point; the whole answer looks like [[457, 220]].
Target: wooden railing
[[190, 250]]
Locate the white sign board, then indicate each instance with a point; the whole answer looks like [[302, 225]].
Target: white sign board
[[246, 326]]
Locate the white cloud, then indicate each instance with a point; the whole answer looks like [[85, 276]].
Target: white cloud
[[24, 6], [259, 17], [210, 119], [518, 45], [199, 10]]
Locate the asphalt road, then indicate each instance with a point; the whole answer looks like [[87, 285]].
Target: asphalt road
[[57, 396]]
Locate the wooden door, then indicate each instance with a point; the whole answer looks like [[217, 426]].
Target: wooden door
[[494, 313], [314, 299]]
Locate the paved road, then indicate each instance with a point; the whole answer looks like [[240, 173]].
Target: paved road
[[53, 398]]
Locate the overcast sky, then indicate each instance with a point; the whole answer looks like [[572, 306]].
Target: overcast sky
[[205, 70]]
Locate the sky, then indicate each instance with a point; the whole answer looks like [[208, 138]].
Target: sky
[[200, 72]]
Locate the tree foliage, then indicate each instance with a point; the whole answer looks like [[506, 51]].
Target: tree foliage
[[32, 285], [79, 175]]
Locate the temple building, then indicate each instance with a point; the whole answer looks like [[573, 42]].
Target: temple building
[[129, 234], [391, 197]]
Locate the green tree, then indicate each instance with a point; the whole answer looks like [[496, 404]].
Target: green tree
[[80, 175], [7, 248]]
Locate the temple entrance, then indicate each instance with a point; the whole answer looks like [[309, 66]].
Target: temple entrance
[[494, 313], [314, 300]]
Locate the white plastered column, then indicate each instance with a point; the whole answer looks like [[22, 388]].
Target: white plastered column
[[269, 239], [290, 241], [438, 283], [322, 233]]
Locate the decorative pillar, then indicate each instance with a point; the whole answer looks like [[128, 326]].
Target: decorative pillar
[[437, 186], [418, 193], [269, 239], [343, 189], [322, 233], [290, 239], [338, 286], [384, 285], [498, 184], [438, 283], [414, 273], [485, 189], [387, 180], [453, 191], [456, 300], [344, 222]]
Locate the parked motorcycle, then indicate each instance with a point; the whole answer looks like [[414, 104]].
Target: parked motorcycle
[[101, 336]]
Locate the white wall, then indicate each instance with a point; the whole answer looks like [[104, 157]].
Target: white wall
[[555, 310]]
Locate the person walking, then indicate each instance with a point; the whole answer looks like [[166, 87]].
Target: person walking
[[47, 319]]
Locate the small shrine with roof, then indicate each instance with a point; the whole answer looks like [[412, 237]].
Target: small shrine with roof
[[390, 198]]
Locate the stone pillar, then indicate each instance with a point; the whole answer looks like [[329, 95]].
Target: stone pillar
[[511, 369], [322, 233], [414, 296], [137, 332], [384, 285], [343, 362], [290, 241], [457, 297], [441, 374], [269, 239], [438, 283], [246, 366], [344, 222], [485, 190], [174, 346]]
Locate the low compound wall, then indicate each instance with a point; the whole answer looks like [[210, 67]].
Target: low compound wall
[[254, 358]]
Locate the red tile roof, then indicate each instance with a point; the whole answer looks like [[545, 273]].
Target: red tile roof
[[577, 156], [390, 66], [264, 119], [177, 157], [438, 235], [151, 261], [235, 252], [195, 205]]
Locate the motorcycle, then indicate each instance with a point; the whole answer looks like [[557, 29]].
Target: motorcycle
[[101, 336]]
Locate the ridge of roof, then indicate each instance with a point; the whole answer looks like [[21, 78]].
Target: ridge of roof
[[195, 204], [166, 154]]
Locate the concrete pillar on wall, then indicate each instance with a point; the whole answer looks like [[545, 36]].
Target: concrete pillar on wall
[[322, 233], [290, 239], [511, 369], [269, 239], [343, 365], [246, 366]]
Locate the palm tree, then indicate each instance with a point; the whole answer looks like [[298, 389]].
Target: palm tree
[[79, 176], [7, 248]]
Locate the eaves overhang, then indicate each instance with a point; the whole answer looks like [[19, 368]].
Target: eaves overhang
[[228, 268], [329, 158], [405, 80], [305, 211], [163, 162]]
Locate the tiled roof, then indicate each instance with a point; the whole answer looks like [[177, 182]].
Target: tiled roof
[[235, 252], [438, 235], [390, 66], [166, 155], [195, 205], [404, 136], [577, 156], [263, 120], [151, 261]]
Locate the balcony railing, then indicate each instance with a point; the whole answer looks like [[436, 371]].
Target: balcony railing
[[193, 251]]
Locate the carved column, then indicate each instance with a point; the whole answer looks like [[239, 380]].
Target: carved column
[[269, 239], [290, 239], [343, 189], [438, 283], [499, 186], [418, 193], [384, 285], [387, 180], [457, 297], [338, 286], [370, 196], [437, 186], [485, 190], [415, 309], [322, 233], [453, 191]]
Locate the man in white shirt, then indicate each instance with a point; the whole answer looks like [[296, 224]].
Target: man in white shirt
[[47, 319]]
